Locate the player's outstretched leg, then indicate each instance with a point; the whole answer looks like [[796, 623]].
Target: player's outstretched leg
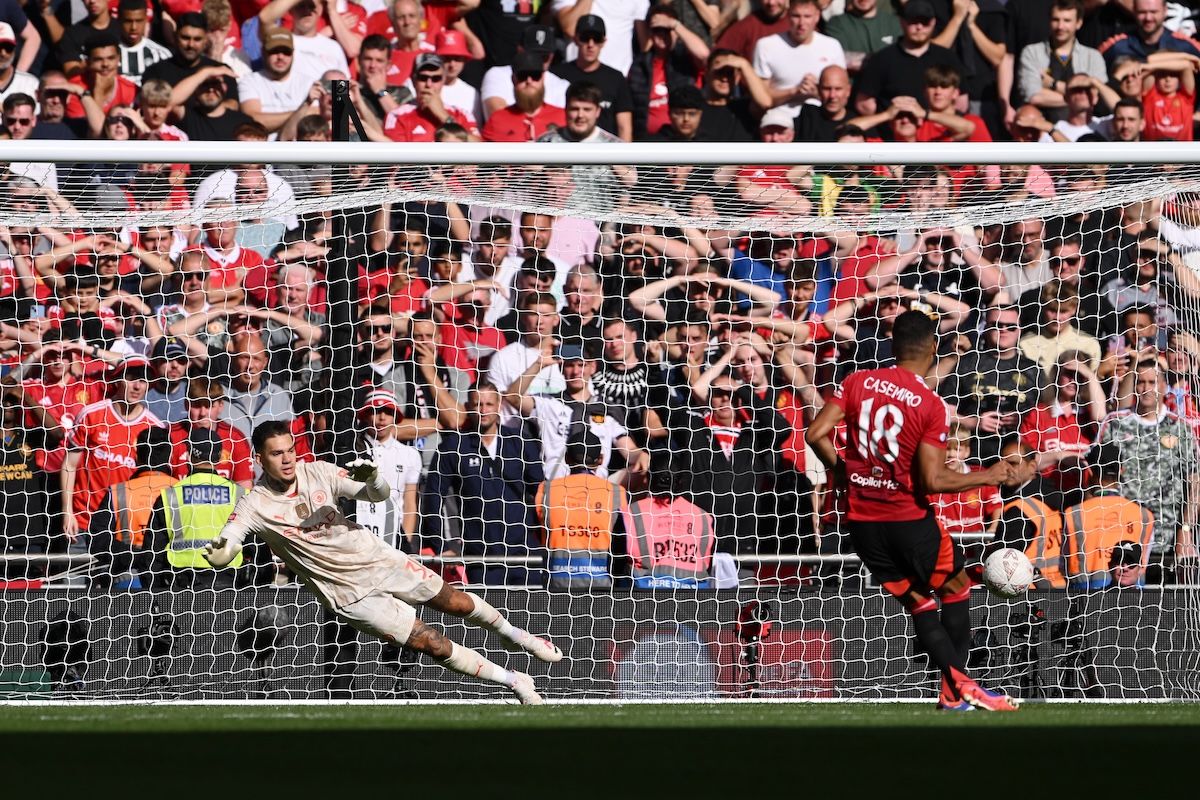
[[477, 611], [956, 619], [464, 660]]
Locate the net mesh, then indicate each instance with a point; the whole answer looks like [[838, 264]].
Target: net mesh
[[684, 324]]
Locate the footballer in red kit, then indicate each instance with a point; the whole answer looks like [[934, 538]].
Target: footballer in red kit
[[895, 458]]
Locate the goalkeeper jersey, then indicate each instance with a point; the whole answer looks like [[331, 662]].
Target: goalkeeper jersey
[[338, 560]]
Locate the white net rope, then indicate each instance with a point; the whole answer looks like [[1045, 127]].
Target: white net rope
[[693, 319]]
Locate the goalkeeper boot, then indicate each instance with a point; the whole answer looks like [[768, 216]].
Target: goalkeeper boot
[[949, 701], [541, 649], [525, 691], [984, 700]]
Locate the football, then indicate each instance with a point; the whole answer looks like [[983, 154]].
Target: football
[[1007, 573]]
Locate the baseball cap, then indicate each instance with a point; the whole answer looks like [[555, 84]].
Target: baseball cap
[[276, 38], [590, 24], [6, 33], [569, 352], [452, 43], [583, 446], [685, 96], [169, 348], [538, 39], [132, 362], [528, 61], [428, 61], [918, 9], [204, 446], [1125, 552], [380, 398], [778, 117]]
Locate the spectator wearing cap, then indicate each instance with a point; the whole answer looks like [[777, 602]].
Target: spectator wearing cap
[[735, 94], [578, 405], [616, 102], [768, 18], [530, 115], [12, 79], [778, 125], [165, 399], [498, 87], [581, 501], [188, 515], [454, 49], [120, 528], [489, 474], [395, 519], [791, 62], [204, 405], [101, 444], [626, 18], [71, 47], [315, 53], [189, 56], [899, 69], [1106, 529], [101, 80], [686, 107], [674, 56], [272, 94], [420, 121], [138, 51]]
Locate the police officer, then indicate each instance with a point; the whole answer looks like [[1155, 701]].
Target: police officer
[[190, 514]]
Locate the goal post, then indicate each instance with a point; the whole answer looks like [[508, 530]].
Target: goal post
[[700, 304]]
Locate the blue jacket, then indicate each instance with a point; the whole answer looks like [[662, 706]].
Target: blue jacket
[[494, 499]]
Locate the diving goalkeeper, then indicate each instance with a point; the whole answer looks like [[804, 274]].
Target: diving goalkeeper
[[373, 587]]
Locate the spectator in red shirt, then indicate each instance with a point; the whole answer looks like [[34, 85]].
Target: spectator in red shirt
[[529, 117], [401, 23], [971, 510], [1169, 100], [905, 118], [102, 80], [768, 19], [942, 89], [1065, 422], [420, 121], [205, 402]]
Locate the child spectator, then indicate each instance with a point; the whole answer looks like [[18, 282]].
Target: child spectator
[[1169, 99], [970, 511]]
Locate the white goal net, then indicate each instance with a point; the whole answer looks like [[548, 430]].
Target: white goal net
[[588, 385]]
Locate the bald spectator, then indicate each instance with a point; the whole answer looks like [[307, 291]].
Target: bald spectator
[[819, 123], [251, 397], [530, 115], [769, 18]]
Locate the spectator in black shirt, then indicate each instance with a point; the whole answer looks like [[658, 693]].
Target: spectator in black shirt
[[22, 489], [191, 39], [735, 95], [71, 45], [900, 69], [686, 109], [207, 118], [820, 123], [52, 117], [616, 109]]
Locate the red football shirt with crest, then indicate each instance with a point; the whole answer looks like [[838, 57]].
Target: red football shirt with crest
[[108, 442], [237, 460], [889, 414]]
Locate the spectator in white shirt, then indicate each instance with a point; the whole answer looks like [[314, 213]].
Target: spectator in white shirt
[[13, 80], [138, 52], [792, 61], [314, 53], [275, 91]]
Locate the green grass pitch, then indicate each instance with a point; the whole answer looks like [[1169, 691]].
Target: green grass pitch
[[654, 751]]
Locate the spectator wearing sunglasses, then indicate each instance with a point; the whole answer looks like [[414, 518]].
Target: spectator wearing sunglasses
[[616, 103], [530, 115], [421, 120]]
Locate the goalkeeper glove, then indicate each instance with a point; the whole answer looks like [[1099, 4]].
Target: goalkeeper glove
[[362, 470], [220, 552]]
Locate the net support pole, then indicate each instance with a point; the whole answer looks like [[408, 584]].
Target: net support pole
[[342, 281]]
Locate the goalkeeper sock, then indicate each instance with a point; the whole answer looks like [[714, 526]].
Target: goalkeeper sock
[[487, 617], [956, 619], [936, 641], [469, 662]]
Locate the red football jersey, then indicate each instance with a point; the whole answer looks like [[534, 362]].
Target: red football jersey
[[889, 414], [108, 442], [63, 402], [968, 511], [237, 463]]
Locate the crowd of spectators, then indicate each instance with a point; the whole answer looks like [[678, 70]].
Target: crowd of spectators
[[486, 340]]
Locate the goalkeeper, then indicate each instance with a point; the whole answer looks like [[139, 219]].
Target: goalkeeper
[[294, 508]]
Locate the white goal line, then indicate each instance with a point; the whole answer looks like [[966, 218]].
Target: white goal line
[[699, 701]]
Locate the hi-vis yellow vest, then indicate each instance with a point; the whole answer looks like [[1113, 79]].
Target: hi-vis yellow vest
[[196, 509]]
